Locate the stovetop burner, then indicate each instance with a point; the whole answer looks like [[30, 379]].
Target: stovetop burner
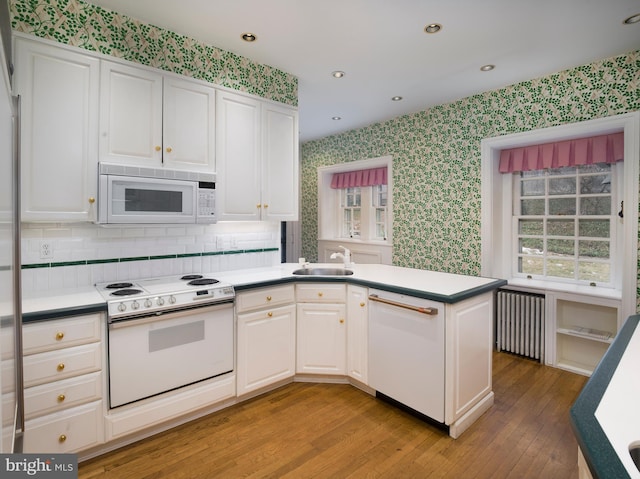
[[188, 277], [202, 281], [118, 285], [126, 292]]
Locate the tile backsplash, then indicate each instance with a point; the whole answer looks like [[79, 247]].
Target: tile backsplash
[[81, 255]]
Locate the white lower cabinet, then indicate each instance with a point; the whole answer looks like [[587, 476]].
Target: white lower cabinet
[[266, 339], [266, 347], [63, 384], [322, 329], [357, 333]]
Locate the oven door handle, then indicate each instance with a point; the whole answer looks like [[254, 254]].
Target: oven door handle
[[154, 317]]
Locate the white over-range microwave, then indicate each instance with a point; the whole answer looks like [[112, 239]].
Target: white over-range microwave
[[141, 195]]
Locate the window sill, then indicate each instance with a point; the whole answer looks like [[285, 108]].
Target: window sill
[[537, 285]]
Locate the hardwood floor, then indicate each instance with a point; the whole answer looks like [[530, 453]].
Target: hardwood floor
[[308, 430]]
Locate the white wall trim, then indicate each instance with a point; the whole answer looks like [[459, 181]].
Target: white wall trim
[[496, 192]]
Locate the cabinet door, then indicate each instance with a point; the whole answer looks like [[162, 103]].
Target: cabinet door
[[321, 338], [237, 158], [357, 332], [188, 125], [59, 93], [130, 115], [280, 163], [266, 347]]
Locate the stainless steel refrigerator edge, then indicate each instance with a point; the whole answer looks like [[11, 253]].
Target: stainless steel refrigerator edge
[[11, 386]]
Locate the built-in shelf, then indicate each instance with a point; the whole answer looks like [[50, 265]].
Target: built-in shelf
[[585, 326]]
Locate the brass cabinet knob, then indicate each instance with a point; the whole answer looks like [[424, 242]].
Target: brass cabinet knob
[[266, 205], [270, 314], [92, 200], [341, 321], [269, 298], [59, 335], [362, 305], [258, 205], [169, 149], [61, 367], [158, 148], [320, 294], [61, 397], [62, 438]]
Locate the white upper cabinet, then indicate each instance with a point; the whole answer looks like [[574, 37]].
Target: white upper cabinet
[[189, 113], [151, 119], [59, 92], [280, 163], [257, 159]]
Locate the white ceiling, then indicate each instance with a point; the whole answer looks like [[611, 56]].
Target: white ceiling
[[382, 47]]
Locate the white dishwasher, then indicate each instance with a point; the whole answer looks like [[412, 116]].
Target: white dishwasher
[[406, 351]]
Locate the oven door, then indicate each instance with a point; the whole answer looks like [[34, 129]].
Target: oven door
[[151, 355], [148, 200]]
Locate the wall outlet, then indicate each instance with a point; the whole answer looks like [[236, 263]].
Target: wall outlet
[[46, 250]]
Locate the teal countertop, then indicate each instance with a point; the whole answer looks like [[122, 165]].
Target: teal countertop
[[602, 456]]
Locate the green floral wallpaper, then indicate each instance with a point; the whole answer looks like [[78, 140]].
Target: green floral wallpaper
[[436, 156], [87, 26]]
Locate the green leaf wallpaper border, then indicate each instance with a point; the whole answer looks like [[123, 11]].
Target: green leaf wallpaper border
[[93, 28], [436, 157]]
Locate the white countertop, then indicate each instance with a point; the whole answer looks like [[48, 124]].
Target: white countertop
[[618, 412], [412, 280]]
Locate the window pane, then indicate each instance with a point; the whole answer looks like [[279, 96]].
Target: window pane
[[594, 168], [595, 184], [529, 174], [531, 245], [530, 227], [557, 247], [592, 271], [594, 228], [532, 187], [561, 227], [531, 265], [561, 268], [562, 206], [593, 249], [567, 170], [356, 223], [532, 207], [600, 205], [562, 186]]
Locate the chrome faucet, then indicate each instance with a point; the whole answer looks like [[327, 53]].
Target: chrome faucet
[[346, 257]]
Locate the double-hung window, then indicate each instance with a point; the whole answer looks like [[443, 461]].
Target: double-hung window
[[564, 223], [363, 212]]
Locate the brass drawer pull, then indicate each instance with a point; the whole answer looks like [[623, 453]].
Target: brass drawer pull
[[61, 397], [269, 298], [61, 367], [429, 311], [59, 336], [62, 438]]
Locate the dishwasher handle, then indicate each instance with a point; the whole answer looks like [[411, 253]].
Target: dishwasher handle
[[418, 309]]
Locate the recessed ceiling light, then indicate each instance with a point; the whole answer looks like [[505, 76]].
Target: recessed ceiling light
[[632, 19], [433, 28], [337, 74], [396, 98], [336, 118], [249, 37], [487, 68]]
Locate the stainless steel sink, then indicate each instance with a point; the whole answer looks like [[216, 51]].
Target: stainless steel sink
[[323, 272], [634, 450]]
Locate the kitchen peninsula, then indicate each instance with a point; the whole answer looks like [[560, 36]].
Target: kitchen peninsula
[[464, 305]]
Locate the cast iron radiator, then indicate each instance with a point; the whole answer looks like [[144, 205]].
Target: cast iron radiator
[[520, 323]]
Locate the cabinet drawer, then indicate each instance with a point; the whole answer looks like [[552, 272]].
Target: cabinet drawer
[[55, 365], [264, 297], [66, 431], [321, 293], [61, 333], [59, 395]]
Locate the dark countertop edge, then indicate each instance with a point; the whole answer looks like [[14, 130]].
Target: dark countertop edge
[[63, 312], [602, 459], [453, 298]]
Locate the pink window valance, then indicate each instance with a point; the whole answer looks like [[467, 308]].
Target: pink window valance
[[582, 151], [352, 179]]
